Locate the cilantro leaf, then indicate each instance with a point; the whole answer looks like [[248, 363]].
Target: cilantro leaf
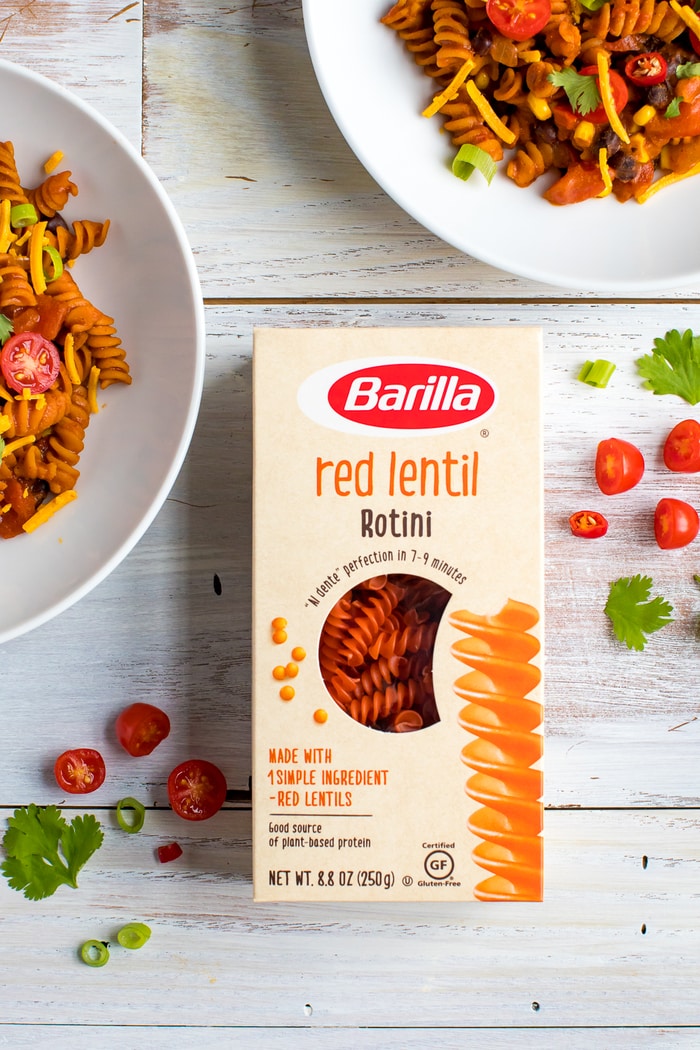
[[632, 613], [6, 328], [581, 89], [673, 109], [673, 367], [688, 69], [44, 852]]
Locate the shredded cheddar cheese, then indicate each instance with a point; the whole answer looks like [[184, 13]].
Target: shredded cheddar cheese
[[667, 180], [604, 172], [5, 424], [12, 446], [48, 509], [93, 380], [6, 234], [36, 251], [451, 89], [69, 359], [53, 161], [606, 96], [4, 394], [489, 115], [687, 15]]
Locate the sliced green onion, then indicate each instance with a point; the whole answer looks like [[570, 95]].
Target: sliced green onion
[[469, 157], [23, 215], [134, 935], [56, 263], [94, 953], [133, 823], [597, 373]]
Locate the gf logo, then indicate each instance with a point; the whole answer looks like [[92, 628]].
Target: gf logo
[[439, 864]]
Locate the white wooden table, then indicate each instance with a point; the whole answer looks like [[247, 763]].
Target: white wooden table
[[287, 228]]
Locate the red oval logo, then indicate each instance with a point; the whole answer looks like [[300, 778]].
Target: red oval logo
[[411, 395]]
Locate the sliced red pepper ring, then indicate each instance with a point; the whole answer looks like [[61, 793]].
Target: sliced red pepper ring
[[646, 69], [588, 524]]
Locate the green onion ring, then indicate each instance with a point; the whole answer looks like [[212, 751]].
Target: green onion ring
[[469, 157], [134, 935], [135, 823], [23, 215], [56, 262], [94, 953]]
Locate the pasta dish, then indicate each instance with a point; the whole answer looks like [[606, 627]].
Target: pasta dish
[[58, 348], [600, 96]]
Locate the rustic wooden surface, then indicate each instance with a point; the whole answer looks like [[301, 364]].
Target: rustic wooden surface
[[287, 229]]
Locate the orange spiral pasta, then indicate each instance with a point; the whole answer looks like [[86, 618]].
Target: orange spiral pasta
[[605, 102], [375, 652], [505, 747], [45, 317]]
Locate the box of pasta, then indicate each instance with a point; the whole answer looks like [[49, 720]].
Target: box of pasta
[[397, 614]]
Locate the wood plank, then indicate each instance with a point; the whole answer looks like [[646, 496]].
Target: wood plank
[[63, 1037], [621, 726], [615, 944], [303, 217], [93, 49]]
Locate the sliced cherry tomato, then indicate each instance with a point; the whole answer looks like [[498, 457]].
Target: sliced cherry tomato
[[141, 727], [646, 69], [29, 362], [694, 42], [79, 770], [170, 851], [620, 95], [676, 523], [519, 19], [619, 466], [196, 789], [588, 524], [682, 447]]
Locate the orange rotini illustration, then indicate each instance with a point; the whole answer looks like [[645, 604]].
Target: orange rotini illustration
[[506, 744]]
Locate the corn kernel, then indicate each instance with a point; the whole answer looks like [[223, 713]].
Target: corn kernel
[[482, 79], [644, 115], [583, 135], [638, 148], [540, 107]]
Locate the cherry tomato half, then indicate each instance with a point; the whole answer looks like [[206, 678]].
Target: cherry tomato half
[[80, 770], [21, 500], [196, 789], [646, 69], [694, 42], [619, 466], [676, 523], [619, 90], [682, 447], [588, 524], [141, 727], [29, 362], [519, 19]]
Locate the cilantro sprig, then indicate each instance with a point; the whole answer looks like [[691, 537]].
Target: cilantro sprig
[[6, 328], [581, 89], [633, 614], [673, 367], [43, 851]]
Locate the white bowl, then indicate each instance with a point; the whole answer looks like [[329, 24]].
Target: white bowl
[[145, 278]]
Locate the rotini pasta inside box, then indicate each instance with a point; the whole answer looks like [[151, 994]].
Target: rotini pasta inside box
[[398, 606]]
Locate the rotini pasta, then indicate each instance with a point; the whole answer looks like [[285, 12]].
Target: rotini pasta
[[375, 651], [58, 347], [505, 748], [603, 99]]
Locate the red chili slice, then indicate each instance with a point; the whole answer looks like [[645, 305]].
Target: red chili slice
[[646, 69], [29, 362], [588, 524], [170, 851]]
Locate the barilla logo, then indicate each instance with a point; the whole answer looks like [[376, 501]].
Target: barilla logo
[[401, 395]]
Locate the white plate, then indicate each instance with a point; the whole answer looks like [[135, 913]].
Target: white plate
[[376, 93], [144, 277]]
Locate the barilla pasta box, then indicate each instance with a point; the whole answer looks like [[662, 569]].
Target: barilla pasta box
[[398, 601]]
